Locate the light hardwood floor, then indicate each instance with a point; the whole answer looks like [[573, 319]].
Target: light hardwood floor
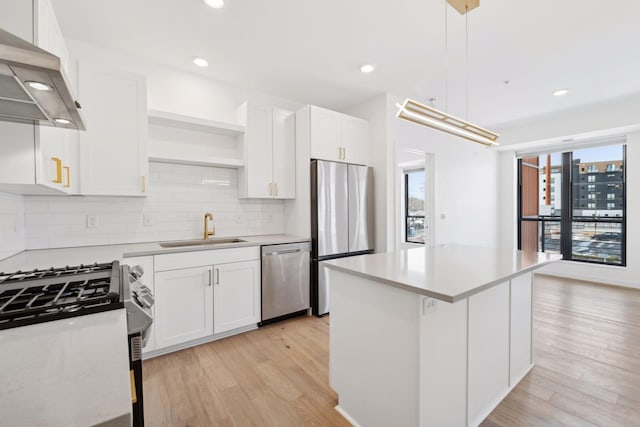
[[587, 354], [587, 359], [275, 376]]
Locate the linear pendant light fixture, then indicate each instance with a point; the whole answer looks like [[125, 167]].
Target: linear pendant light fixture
[[424, 115], [421, 114]]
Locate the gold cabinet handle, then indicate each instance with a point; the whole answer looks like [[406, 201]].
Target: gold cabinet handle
[[217, 276], [67, 171], [144, 184], [58, 179]]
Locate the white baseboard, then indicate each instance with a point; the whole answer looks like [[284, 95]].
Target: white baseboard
[[346, 416], [182, 346]]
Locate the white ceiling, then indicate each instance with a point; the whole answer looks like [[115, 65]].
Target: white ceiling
[[311, 50]]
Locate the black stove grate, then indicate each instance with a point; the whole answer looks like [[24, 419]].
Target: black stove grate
[[42, 295], [19, 276]]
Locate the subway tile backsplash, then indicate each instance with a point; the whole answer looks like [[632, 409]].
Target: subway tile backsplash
[[12, 233], [179, 196]]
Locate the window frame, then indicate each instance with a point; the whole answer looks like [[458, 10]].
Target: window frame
[[406, 173], [567, 219]]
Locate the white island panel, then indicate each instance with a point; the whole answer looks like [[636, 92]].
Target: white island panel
[[521, 327], [443, 363], [488, 351], [374, 351]]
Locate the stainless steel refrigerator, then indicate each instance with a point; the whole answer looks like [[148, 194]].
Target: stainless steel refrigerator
[[341, 220]]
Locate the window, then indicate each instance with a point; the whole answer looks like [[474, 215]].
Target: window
[[582, 224], [414, 181]]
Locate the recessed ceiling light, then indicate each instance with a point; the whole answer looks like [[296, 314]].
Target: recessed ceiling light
[[201, 62], [39, 86], [63, 121], [560, 92], [216, 4], [367, 68]]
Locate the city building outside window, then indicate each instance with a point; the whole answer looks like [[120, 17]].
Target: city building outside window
[[415, 223], [585, 217]]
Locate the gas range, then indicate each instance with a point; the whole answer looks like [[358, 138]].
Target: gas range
[[35, 296], [43, 295]]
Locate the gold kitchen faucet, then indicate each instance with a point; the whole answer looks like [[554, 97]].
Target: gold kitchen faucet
[[208, 217]]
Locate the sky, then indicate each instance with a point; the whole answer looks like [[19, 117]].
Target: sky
[[416, 184]]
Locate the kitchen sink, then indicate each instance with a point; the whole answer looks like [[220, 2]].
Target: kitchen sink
[[200, 242]]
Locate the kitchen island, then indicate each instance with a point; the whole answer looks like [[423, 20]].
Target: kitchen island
[[433, 336]]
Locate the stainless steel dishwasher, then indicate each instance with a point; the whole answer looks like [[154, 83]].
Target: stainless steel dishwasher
[[285, 280]]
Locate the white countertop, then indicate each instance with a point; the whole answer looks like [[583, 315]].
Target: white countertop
[[445, 272], [45, 258], [69, 372]]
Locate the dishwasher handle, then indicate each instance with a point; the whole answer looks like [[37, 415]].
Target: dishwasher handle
[[292, 251], [286, 248]]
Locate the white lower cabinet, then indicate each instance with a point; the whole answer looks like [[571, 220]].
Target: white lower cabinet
[[201, 294], [236, 295], [184, 305]]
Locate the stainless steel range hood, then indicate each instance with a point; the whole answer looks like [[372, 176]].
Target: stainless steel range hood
[[32, 86]]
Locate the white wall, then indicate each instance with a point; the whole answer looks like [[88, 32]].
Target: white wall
[[12, 228], [622, 116], [610, 117], [465, 180], [176, 203], [177, 91], [380, 157]]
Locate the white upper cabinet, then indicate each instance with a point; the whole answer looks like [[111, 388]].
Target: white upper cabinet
[[113, 150], [284, 153], [269, 152], [37, 159], [337, 137], [354, 137], [325, 134]]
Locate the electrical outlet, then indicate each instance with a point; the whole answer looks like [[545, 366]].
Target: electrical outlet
[[92, 221], [429, 305], [147, 220]]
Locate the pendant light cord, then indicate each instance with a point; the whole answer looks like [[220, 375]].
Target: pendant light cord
[[466, 43], [446, 59]]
